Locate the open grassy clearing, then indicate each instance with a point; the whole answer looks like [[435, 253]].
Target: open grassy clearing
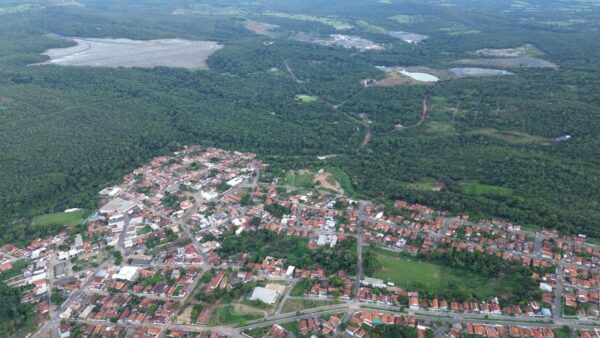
[[406, 19], [293, 305], [16, 9], [335, 23], [371, 28], [427, 184], [62, 218], [476, 188], [300, 178], [306, 98], [416, 275], [233, 314], [459, 30], [440, 128], [513, 137]]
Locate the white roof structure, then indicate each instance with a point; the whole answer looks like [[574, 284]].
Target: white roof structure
[[117, 205], [265, 295], [128, 273]]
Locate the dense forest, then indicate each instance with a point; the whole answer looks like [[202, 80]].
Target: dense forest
[[67, 132]]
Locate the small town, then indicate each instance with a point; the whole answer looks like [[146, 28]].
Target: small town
[[211, 243]]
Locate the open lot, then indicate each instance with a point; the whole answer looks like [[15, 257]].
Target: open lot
[[61, 218], [300, 178], [293, 305], [234, 314], [513, 137], [519, 62], [413, 274], [476, 188], [176, 53], [306, 98]]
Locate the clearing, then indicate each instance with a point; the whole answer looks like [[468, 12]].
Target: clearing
[[428, 184], [476, 188], [175, 53], [416, 275], [327, 181], [260, 28], [61, 218], [513, 137], [304, 98], [300, 178], [234, 314], [293, 305], [519, 62], [335, 23]]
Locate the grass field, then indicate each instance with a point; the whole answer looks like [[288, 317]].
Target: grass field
[[406, 19], [306, 98], [337, 24], [371, 28], [440, 128], [300, 178], [415, 275], [425, 184], [230, 315], [476, 188], [512, 137], [62, 218], [293, 305]]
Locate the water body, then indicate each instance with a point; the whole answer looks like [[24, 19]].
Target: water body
[[175, 53], [421, 77]]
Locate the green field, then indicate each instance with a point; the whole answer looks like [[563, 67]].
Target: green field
[[476, 188], [293, 305], [406, 19], [337, 24], [229, 315], [300, 178], [512, 137], [416, 275], [371, 28], [424, 184], [61, 218], [306, 98]]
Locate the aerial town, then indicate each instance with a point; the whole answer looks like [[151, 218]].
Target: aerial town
[[211, 243]]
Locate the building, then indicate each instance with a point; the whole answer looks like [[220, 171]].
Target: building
[[128, 273], [267, 296]]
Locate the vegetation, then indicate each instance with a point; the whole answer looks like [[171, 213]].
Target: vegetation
[[459, 276], [15, 316], [294, 305], [228, 315], [294, 250], [96, 125]]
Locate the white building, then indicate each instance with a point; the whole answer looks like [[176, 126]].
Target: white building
[[265, 295]]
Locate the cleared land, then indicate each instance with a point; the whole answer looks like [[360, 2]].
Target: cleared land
[[61, 218], [175, 53], [300, 178], [476, 188], [415, 275], [293, 305], [234, 314], [513, 137], [520, 62], [327, 181], [335, 23], [306, 98]]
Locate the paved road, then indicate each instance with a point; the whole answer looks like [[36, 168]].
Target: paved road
[[359, 245]]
